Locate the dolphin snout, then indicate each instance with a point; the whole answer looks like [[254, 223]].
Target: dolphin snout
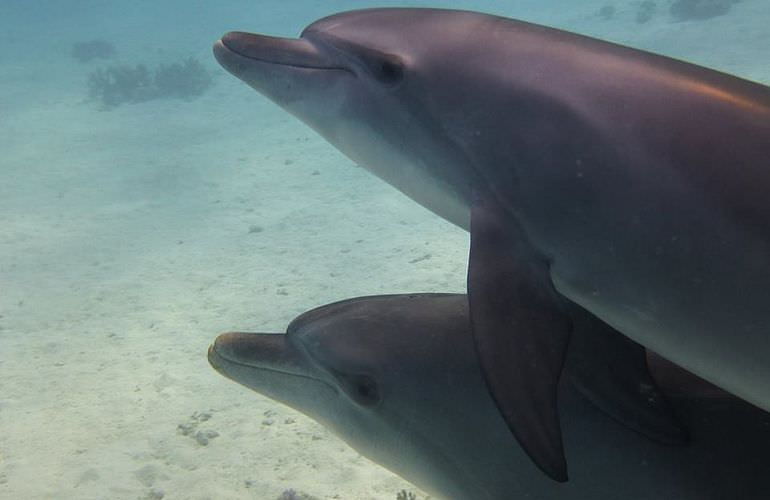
[[265, 351], [297, 52]]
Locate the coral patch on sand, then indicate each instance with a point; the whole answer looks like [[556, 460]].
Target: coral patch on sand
[[694, 10], [116, 85]]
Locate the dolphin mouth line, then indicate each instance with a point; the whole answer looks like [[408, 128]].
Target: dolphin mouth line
[[223, 44], [217, 366]]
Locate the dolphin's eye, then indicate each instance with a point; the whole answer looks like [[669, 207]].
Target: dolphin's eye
[[361, 389], [391, 71], [367, 391], [388, 69]]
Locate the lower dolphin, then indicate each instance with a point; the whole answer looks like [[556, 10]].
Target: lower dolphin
[[396, 378], [630, 184]]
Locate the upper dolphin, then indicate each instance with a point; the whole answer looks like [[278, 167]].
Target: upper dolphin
[[589, 174]]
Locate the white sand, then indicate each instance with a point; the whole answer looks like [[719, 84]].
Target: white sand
[[125, 247]]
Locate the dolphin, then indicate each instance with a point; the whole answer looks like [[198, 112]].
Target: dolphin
[[590, 175], [397, 378]]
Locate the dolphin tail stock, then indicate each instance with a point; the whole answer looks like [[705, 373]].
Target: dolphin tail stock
[[521, 332], [611, 371]]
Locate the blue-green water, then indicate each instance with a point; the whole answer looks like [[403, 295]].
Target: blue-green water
[[131, 233]]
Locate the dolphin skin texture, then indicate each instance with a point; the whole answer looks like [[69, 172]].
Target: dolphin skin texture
[[397, 378], [629, 187]]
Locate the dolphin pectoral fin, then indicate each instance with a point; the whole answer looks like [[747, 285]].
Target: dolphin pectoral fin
[[520, 332], [611, 371]]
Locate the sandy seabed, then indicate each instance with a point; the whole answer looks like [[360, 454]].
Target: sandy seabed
[[130, 237]]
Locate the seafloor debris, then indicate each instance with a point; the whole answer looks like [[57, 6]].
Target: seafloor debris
[[154, 494], [694, 10], [92, 49], [292, 494], [190, 429], [405, 495], [607, 12], [645, 11], [120, 84], [185, 80], [123, 84], [680, 10]]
